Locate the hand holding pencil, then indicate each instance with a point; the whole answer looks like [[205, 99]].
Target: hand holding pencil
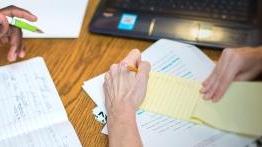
[[12, 34], [130, 74], [125, 89]]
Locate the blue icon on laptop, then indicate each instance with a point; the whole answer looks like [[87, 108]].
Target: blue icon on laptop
[[127, 22]]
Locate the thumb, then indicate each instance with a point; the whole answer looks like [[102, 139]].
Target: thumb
[[144, 68]]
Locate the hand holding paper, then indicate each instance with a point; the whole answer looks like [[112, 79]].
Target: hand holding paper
[[239, 64], [180, 98]]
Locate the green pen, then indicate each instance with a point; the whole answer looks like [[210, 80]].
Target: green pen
[[23, 25]]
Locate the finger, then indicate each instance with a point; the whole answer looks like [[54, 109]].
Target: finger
[[207, 89], [124, 69], [142, 80], [114, 76], [234, 65], [210, 85], [15, 43], [219, 87], [22, 52], [218, 77], [124, 80], [106, 91], [217, 68], [228, 75], [206, 85], [4, 25], [220, 64], [220, 92], [14, 11], [109, 86], [12, 55], [211, 88], [222, 87], [133, 58], [143, 69], [113, 69]]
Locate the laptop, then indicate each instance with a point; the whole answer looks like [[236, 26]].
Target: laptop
[[212, 23]]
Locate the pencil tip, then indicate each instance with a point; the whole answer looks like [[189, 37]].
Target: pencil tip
[[39, 31]]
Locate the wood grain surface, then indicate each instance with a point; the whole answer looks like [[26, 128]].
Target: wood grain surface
[[72, 61]]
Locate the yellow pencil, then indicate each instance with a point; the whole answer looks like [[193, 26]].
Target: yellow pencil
[[132, 68]]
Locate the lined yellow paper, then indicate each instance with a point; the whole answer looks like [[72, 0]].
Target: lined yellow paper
[[171, 96], [238, 111]]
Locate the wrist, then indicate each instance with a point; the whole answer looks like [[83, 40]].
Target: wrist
[[125, 115]]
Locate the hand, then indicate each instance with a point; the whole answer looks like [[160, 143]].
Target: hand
[[12, 35], [124, 92], [234, 65]]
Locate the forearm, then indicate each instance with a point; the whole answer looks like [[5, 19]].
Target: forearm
[[123, 131]]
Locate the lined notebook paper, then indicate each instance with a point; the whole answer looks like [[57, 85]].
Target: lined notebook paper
[[31, 112], [171, 96], [238, 111]]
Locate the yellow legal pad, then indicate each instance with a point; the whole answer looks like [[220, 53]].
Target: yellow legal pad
[[238, 111]]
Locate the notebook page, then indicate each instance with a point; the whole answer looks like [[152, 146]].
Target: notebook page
[[28, 99], [171, 96], [238, 111], [61, 134]]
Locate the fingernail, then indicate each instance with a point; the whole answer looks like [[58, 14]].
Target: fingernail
[[35, 17], [202, 90], [21, 54], [214, 101], [12, 58], [206, 97]]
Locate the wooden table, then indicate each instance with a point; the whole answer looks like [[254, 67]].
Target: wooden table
[[72, 61]]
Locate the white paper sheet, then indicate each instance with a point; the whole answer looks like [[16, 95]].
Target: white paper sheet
[[57, 18], [31, 110]]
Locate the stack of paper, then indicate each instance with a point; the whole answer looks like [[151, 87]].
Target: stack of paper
[[31, 112], [175, 59]]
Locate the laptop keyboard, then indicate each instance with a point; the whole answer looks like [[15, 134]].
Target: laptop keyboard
[[231, 10]]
